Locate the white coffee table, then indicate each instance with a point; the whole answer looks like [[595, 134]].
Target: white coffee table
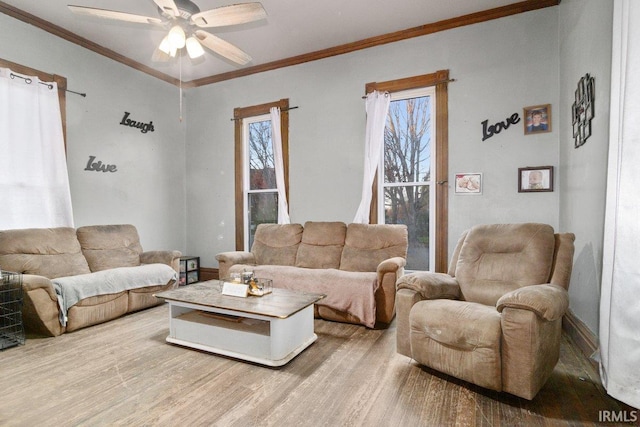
[[270, 330]]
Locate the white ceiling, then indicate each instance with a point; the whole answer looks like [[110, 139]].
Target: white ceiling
[[293, 27]]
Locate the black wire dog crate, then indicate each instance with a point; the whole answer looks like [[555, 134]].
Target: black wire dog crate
[[11, 327]]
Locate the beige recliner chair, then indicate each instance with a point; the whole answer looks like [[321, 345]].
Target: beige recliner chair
[[495, 319]]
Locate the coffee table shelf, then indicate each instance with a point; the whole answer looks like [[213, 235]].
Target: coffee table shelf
[[269, 330]]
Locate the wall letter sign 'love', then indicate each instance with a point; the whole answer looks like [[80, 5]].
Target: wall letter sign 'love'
[[489, 131]]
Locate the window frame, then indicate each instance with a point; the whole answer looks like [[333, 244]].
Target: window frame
[[439, 80], [241, 156], [425, 91]]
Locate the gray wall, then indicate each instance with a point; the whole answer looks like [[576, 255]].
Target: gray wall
[[148, 189], [498, 71], [585, 47], [177, 183]]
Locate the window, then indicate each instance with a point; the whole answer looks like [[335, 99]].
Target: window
[[412, 174], [407, 171], [256, 190]]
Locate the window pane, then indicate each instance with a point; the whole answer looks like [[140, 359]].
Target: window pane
[[407, 140], [409, 205], [263, 208], [262, 174]]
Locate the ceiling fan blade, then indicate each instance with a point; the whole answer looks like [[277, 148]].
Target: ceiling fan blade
[[168, 7], [112, 14], [229, 15], [222, 47]]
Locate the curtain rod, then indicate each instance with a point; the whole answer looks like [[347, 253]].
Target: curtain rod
[[28, 80], [443, 81], [283, 109]]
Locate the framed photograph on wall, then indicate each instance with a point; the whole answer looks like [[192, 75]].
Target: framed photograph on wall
[[468, 183], [535, 179], [537, 119]]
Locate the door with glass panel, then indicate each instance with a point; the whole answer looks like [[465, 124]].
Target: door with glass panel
[[407, 172]]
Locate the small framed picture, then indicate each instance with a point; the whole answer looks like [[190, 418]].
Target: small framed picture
[[535, 179], [537, 119], [468, 183]]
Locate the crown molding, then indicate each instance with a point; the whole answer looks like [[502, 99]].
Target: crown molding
[[422, 30]]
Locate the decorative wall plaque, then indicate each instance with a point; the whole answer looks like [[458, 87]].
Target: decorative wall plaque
[[144, 127], [582, 110]]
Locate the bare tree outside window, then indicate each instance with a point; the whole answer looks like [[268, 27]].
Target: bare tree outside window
[[407, 173], [262, 195]]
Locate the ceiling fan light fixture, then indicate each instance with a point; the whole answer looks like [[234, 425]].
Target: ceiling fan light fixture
[[177, 37], [165, 45], [194, 48]]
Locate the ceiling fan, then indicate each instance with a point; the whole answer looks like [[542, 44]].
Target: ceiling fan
[[185, 19]]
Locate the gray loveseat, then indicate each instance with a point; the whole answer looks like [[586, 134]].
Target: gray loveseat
[[356, 266], [77, 278]]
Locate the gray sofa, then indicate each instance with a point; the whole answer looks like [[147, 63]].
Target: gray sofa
[[77, 278], [356, 266]]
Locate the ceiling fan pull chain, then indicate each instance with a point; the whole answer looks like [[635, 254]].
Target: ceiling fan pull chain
[[180, 84]]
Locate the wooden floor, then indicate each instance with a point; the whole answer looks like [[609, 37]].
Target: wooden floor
[[124, 373]]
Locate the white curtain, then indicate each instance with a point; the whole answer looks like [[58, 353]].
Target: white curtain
[[620, 293], [377, 107], [34, 185], [276, 140]]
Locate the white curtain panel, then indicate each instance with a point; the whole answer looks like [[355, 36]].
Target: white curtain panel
[[620, 292], [34, 185], [377, 107], [276, 140]]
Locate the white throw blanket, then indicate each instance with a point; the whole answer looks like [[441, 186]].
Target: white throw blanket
[[72, 289]]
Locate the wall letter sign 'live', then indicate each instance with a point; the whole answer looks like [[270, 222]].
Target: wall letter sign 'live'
[[99, 167], [144, 127]]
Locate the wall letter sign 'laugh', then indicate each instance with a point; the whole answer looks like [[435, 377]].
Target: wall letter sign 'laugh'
[[144, 127]]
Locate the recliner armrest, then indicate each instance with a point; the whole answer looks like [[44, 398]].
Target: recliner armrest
[[547, 301], [430, 285]]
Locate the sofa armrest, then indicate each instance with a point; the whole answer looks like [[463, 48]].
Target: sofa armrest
[[391, 265], [228, 259], [40, 308], [388, 272], [170, 258], [547, 301], [430, 285], [31, 282]]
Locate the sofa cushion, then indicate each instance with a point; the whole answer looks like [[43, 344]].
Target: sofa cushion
[[49, 252], [74, 289], [367, 245], [498, 258], [276, 244], [321, 245], [347, 291], [110, 246]]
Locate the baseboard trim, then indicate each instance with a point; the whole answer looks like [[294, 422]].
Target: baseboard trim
[[585, 340], [207, 273]]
